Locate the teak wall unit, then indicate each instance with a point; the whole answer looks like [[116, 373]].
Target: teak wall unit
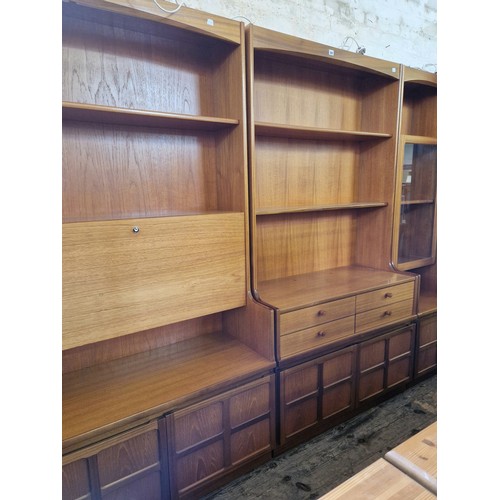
[[161, 336], [222, 302], [323, 131], [415, 237]]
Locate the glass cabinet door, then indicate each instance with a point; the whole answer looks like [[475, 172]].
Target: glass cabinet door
[[416, 228]]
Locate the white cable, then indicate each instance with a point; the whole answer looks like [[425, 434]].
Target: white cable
[[169, 11], [360, 49], [242, 17]]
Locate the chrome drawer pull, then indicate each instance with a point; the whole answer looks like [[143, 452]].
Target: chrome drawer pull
[[135, 229]]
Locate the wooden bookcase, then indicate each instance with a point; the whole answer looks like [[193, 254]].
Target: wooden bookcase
[[322, 142], [323, 132], [158, 314], [415, 235]]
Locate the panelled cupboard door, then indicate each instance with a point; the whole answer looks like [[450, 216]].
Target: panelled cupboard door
[[210, 439], [128, 466], [426, 351], [76, 480], [316, 390], [385, 362]]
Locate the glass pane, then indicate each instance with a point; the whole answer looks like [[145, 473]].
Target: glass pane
[[417, 202], [419, 172]]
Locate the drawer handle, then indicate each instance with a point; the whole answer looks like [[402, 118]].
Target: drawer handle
[[135, 229], [321, 333], [321, 312], [388, 295], [387, 313]]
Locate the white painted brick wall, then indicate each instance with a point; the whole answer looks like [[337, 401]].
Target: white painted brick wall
[[403, 31]]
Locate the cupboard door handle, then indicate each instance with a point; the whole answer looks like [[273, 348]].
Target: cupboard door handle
[[135, 229], [388, 295], [387, 313], [321, 312], [321, 333]]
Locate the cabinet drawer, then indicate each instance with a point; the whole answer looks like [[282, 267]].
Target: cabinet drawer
[[316, 336], [316, 315], [384, 296], [386, 315]]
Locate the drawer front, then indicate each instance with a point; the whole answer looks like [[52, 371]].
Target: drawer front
[[315, 315], [384, 297], [316, 336], [386, 315]]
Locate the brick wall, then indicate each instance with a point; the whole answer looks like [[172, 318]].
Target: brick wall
[[403, 31]]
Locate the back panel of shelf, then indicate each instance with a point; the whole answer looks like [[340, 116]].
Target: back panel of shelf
[[419, 113], [292, 90], [115, 60], [118, 171]]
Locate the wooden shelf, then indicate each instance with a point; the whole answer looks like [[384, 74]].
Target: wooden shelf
[[314, 133], [145, 385], [417, 202], [143, 118], [297, 291], [420, 139], [322, 208], [143, 215]]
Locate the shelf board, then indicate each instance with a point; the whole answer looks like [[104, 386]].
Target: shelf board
[[314, 133], [419, 139], [145, 215], [417, 202], [294, 292], [146, 385], [321, 208], [144, 118]]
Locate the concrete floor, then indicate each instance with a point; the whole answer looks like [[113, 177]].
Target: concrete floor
[[312, 469]]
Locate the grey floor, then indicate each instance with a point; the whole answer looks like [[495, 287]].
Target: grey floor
[[313, 468]]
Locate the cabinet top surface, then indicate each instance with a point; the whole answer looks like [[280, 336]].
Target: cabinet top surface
[[415, 75], [294, 292], [121, 392]]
